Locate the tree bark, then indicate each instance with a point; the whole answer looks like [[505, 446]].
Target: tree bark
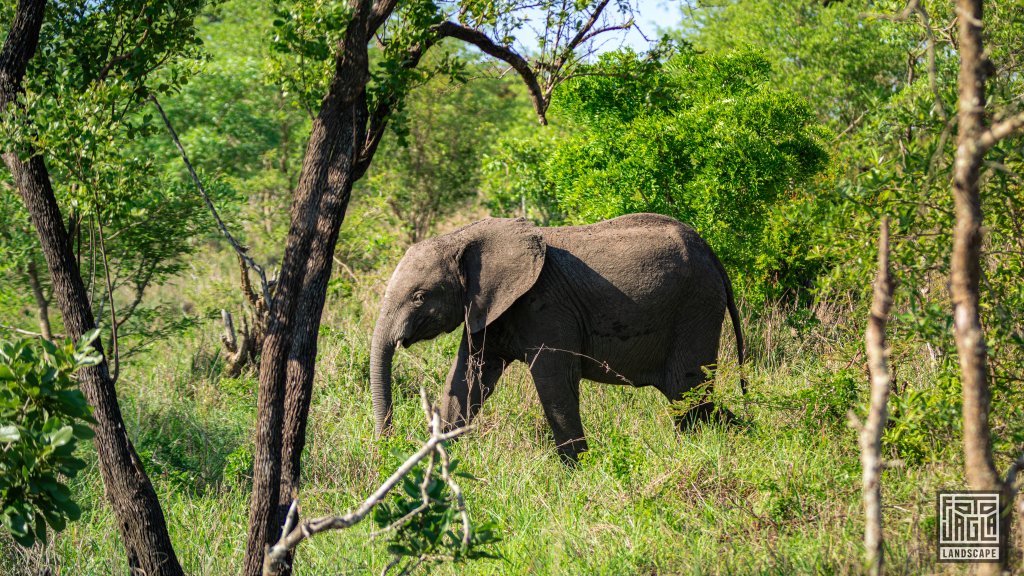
[[965, 268], [329, 159], [139, 516], [304, 342], [871, 433]]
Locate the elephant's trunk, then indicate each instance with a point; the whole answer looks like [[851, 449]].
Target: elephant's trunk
[[382, 351]]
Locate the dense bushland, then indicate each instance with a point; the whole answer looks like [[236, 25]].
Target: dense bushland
[[782, 131]]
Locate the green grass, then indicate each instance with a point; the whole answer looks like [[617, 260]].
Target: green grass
[[779, 494]]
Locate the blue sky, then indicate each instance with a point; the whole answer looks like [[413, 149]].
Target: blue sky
[[651, 16]]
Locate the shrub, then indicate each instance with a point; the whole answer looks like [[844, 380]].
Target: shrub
[[43, 415]]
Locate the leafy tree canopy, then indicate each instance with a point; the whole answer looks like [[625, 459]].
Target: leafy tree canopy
[[706, 139]]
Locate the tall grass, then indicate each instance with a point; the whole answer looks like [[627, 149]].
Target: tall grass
[[777, 494]]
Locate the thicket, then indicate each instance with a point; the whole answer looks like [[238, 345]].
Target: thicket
[[781, 130]]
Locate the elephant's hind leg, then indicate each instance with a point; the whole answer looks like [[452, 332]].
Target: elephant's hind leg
[[556, 374], [690, 372]]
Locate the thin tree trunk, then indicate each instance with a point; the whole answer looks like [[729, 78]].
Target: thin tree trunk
[[135, 504], [871, 433], [139, 516], [966, 269], [327, 165], [42, 304]]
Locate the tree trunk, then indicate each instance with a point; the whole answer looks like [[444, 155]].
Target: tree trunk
[[139, 516], [135, 504], [965, 270], [42, 304], [301, 365], [871, 433], [325, 180]]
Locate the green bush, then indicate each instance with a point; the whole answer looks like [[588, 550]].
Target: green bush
[[432, 531], [829, 400], [925, 421], [709, 140], [43, 415]]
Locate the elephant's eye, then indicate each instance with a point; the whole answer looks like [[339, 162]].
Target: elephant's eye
[[418, 297]]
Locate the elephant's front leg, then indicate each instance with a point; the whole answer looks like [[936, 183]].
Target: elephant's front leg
[[471, 381], [557, 378]]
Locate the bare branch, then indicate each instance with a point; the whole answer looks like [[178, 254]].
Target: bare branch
[[239, 249], [582, 33], [228, 339], [42, 304], [611, 28], [294, 532], [505, 54], [110, 294], [1000, 131], [17, 330]]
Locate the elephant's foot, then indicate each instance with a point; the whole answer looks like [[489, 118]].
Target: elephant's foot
[[570, 451], [703, 413]]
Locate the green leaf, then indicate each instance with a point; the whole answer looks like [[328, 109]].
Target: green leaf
[[9, 434], [62, 436]]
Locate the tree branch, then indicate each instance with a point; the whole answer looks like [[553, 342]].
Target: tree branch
[[123, 57], [28, 332], [294, 532], [42, 304], [239, 249], [379, 14], [505, 54], [1000, 131], [584, 34], [115, 372]]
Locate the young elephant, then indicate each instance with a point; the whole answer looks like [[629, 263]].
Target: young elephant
[[636, 300]]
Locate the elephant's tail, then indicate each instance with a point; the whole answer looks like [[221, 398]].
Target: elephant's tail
[[734, 315]]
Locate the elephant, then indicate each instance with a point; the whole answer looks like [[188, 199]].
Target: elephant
[[638, 300]]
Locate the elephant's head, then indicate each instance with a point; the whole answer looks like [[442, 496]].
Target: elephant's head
[[471, 276]]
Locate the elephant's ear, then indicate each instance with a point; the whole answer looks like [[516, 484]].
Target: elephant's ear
[[500, 260]]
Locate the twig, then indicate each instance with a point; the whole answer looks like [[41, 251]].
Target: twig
[[294, 532], [26, 332], [110, 292], [239, 249], [603, 364]]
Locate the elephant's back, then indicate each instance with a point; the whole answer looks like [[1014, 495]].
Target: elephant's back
[[637, 286], [642, 254]]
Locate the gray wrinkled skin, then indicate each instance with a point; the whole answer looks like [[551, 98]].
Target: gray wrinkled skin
[[636, 300]]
